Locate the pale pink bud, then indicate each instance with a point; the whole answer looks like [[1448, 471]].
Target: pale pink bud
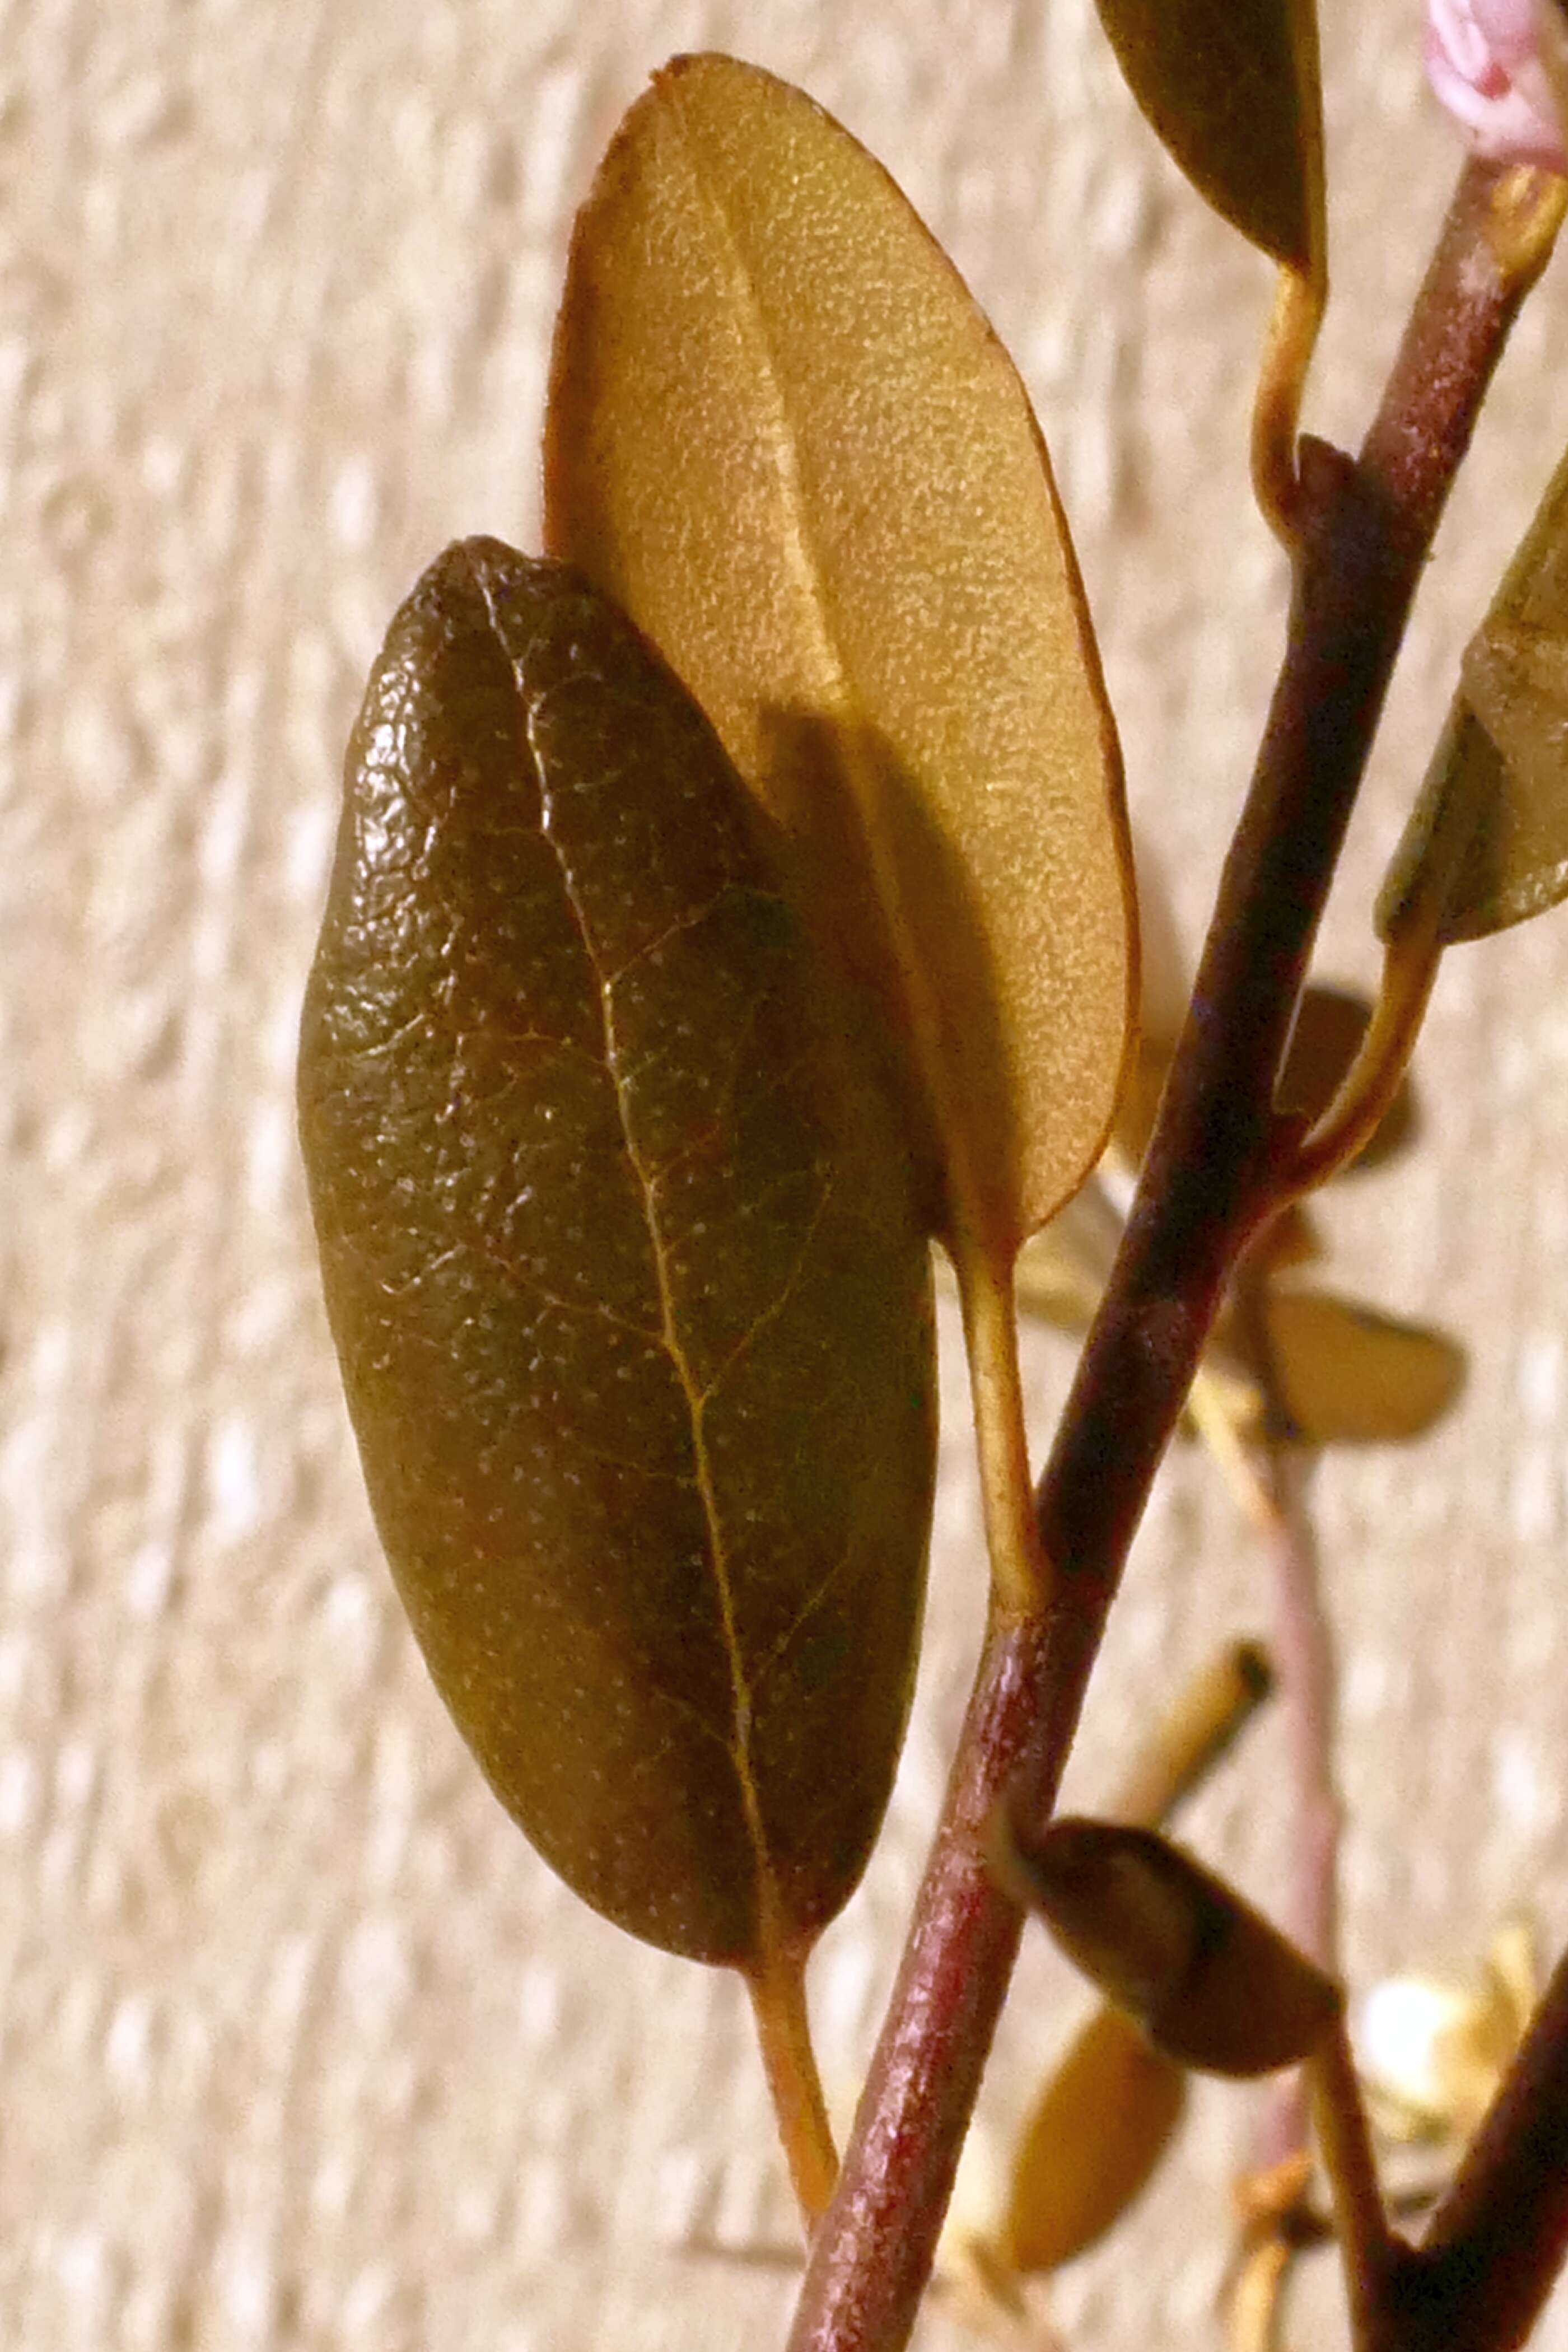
[[1483, 60]]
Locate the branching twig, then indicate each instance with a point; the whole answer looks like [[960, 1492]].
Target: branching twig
[[1499, 2237], [1365, 531]]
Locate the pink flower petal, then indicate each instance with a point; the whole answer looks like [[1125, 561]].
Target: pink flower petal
[[1483, 65], [1508, 27]]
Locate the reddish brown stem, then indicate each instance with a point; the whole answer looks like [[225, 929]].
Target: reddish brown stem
[[1366, 529], [868, 2266], [1499, 2237]]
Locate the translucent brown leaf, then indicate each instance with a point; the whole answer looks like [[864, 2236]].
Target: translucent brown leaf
[[1209, 1979], [1100, 2128], [1486, 843], [1232, 89], [782, 437], [1343, 1374], [623, 1268]]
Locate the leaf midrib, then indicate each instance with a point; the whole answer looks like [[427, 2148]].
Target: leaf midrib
[[841, 700], [769, 1908]]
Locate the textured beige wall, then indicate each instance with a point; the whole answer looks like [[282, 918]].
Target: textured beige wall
[[302, 2046]]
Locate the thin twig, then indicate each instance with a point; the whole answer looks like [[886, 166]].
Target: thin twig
[[1018, 1571], [1288, 351], [1219, 1410], [1370, 2252], [795, 2084], [1373, 1079], [1189, 1741], [1365, 535], [1303, 1647]]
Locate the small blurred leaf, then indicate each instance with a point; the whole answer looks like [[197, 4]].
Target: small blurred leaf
[[1488, 834], [630, 1297], [1513, 1973], [780, 434], [1290, 1239], [1232, 89], [1052, 1288], [1062, 1272], [1060, 1279], [1101, 2125], [1209, 1979], [1330, 1025], [1164, 986], [1346, 1375]]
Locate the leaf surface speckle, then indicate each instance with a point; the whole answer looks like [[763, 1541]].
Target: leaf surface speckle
[[623, 1270], [782, 437]]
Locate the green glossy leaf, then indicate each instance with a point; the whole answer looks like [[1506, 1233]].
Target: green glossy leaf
[[780, 434], [1099, 2130], [1345, 1375], [623, 1268], [1232, 89], [1209, 1979], [1488, 840]]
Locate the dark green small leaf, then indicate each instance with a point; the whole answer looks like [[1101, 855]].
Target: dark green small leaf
[[1345, 1375], [1232, 89], [1488, 840], [623, 1269], [1209, 1979], [1100, 2128]]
